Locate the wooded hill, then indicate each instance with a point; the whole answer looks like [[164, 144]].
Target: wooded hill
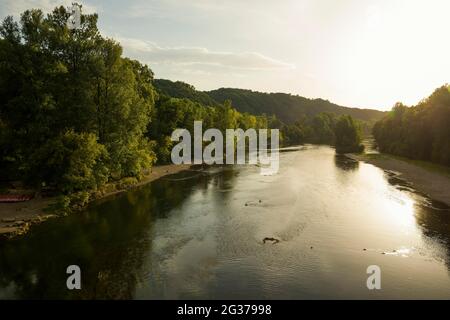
[[286, 107]]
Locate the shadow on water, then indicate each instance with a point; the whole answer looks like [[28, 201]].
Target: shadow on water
[[345, 163], [109, 241], [433, 219]]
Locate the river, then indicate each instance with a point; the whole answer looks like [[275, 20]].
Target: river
[[199, 235]]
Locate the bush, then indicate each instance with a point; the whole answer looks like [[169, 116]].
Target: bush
[[65, 204], [126, 182], [72, 162]]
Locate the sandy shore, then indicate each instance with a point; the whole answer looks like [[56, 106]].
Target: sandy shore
[[432, 180], [16, 218]]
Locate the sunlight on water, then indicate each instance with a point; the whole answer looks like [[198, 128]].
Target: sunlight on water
[[402, 211]]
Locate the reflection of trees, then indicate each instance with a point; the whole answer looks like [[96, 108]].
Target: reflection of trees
[[109, 242], [435, 224], [224, 183], [432, 217], [345, 163], [107, 246]]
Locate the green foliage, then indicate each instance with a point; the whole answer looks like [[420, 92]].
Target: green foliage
[[348, 136], [299, 119], [303, 120], [77, 117], [421, 132], [74, 113], [66, 204], [79, 199], [70, 162], [323, 126], [293, 135], [286, 107], [183, 90], [172, 113], [127, 182]]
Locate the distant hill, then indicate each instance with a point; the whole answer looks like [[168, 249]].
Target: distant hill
[[180, 89], [288, 108]]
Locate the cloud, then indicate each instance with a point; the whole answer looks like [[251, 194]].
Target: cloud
[[153, 54], [16, 7]]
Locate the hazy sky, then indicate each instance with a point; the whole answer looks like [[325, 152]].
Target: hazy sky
[[359, 53]]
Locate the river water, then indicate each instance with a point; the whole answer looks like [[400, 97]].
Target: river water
[[199, 235]]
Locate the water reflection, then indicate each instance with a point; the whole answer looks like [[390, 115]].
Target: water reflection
[[109, 242], [434, 222], [345, 163]]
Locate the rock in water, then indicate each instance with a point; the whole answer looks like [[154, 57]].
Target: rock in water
[[273, 240]]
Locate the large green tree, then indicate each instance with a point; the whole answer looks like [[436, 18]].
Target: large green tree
[[69, 94], [348, 135]]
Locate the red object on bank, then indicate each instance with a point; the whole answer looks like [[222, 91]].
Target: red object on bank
[[14, 198]]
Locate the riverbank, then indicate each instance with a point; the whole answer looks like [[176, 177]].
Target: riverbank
[[428, 178], [16, 218]]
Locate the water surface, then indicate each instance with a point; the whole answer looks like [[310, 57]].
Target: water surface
[[199, 235]]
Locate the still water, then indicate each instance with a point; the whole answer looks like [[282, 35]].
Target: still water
[[199, 235]]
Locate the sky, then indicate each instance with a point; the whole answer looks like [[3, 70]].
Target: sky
[[357, 53]]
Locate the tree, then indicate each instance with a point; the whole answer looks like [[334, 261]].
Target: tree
[[71, 162], [61, 87], [348, 137], [323, 126]]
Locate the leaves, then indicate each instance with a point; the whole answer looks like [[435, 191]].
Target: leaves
[[348, 136], [74, 113], [421, 132]]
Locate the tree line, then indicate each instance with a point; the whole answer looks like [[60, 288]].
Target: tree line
[[343, 132], [420, 132], [300, 120], [286, 107], [76, 114]]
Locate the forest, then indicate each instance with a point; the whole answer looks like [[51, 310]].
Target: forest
[[285, 107], [76, 114], [421, 132]]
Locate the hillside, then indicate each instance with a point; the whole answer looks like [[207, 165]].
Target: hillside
[[180, 89], [288, 108]]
